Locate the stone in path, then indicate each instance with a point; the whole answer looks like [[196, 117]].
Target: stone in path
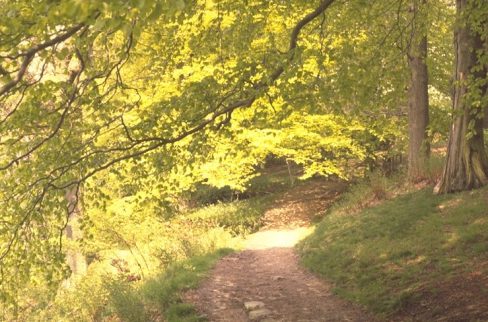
[[253, 305], [259, 314]]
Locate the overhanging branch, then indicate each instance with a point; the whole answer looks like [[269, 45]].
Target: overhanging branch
[[30, 53], [221, 109]]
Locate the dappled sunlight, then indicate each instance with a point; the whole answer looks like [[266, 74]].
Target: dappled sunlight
[[480, 221], [302, 204], [417, 260], [392, 267], [286, 238], [452, 240], [449, 204]]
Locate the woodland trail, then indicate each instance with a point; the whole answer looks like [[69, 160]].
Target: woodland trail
[[266, 276]]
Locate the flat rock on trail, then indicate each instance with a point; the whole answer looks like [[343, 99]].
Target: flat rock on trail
[[267, 270]]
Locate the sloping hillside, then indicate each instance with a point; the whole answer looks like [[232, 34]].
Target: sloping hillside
[[408, 256]]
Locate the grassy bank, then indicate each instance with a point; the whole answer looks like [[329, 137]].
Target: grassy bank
[[142, 278], [394, 254]]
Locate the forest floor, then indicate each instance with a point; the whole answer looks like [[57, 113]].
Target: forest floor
[[265, 282]]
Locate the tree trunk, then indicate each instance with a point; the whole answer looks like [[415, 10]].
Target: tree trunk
[[418, 109], [75, 259], [485, 117], [466, 165]]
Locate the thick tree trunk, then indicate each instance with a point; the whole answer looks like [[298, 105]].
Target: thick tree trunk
[[485, 119], [418, 110], [467, 163]]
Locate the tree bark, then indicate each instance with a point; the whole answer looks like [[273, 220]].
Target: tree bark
[[466, 165], [485, 90], [75, 259], [418, 103], [485, 119]]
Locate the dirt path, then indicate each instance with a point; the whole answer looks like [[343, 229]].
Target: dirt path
[[266, 276]]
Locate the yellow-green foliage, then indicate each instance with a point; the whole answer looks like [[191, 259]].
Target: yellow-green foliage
[[132, 102], [86, 302], [323, 144]]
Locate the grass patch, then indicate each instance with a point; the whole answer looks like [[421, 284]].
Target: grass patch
[[383, 255], [126, 302], [162, 292], [239, 217], [369, 192], [160, 295], [182, 312]]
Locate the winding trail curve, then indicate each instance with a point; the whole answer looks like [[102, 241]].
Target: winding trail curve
[[267, 274]]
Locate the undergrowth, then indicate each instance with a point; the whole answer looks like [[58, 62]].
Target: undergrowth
[[160, 294], [239, 217], [153, 261]]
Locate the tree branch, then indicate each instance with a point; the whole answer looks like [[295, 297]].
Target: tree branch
[[227, 110], [30, 53]]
